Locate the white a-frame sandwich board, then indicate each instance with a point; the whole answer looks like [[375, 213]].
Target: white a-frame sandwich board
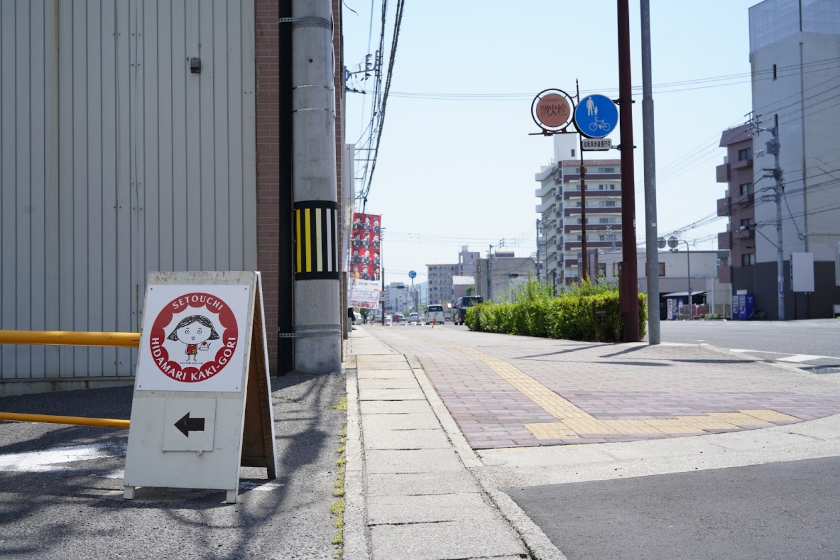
[[202, 397]]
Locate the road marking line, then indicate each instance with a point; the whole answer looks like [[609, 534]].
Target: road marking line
[[798, 358]]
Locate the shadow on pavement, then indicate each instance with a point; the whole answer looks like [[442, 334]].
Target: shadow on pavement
[[78, 510]]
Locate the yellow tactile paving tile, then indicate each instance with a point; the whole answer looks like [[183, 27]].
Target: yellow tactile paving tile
[[739, 418], [707, 423], [771, 415], [575, 423], [587, 426], [633, 427], [551, 430]]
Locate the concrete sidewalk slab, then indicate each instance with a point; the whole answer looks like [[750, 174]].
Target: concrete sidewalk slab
[[428, 508], [394, 407], [379, 438], [433, 541], [411, 421], [416, 484], [391, 394], [388, 383], [418, 498]]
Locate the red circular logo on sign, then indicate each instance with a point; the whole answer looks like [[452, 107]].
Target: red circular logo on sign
[[206, 329]]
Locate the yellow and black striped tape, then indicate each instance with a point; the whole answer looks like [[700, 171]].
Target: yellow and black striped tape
[[316, 240]]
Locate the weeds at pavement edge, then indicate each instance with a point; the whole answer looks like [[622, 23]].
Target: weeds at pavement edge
[[337, 509]]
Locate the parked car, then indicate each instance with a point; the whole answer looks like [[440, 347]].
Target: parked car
[[434, 314], [398, 318], [388, 320], [459, 308], [413, 318]]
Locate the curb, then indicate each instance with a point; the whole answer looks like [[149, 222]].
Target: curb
[[356, 540], [532, 537]]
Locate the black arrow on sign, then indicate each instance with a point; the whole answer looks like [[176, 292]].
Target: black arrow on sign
[[187, 424]]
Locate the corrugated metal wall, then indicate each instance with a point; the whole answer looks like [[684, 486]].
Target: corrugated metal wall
[[116, 160]]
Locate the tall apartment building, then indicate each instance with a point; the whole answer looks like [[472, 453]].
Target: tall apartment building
[[794, 48], [440, 289], [561, 223], [738, 205], [440, 281], [397, 298]]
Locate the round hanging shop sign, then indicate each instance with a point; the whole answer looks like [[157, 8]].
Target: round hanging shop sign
[[194, 337], [552, 110]]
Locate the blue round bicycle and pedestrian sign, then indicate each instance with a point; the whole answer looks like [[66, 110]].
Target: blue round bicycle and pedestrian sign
[[596, 116], [412, 274]]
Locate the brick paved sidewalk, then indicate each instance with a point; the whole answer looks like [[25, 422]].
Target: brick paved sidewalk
[[511, 391]]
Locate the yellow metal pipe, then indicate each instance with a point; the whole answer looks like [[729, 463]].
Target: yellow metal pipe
[[71, 338], [74, 420]]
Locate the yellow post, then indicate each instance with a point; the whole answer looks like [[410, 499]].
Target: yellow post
[[70, 338], [73, 420]]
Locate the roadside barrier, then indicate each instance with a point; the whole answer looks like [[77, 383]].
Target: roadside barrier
[[69, 338], [72, 420]]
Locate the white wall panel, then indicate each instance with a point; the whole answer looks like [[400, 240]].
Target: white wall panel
[[116, 160]]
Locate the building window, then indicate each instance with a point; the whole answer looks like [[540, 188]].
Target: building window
[[747, 223], [580, 222], [661, 267], [606, 187], [748, 259], [606, 170], [606, 220], [745, 154], [746, 188], [606, 203]]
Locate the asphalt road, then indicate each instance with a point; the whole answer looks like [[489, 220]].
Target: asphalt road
[[61, 486], [780, 510], [765, 339]]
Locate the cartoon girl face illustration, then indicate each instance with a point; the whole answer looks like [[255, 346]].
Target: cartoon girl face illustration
[[194, 331]]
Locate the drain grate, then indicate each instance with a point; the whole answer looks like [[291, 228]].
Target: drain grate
[[823, 369]]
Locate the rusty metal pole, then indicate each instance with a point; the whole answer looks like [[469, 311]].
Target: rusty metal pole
[[583, 274], [628, 288]]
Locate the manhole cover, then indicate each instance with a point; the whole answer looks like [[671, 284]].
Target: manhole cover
[[823, 369]]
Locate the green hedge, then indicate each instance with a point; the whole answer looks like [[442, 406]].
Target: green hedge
[[573, 315]]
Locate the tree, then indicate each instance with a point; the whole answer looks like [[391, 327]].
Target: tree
[[470, 290]]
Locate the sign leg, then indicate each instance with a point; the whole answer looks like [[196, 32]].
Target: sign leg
[[230, 498], [128, 492]]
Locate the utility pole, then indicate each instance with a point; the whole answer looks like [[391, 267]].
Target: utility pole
[[317, 301], [651, 235], [628, 288], [776, 172], [538, 249], [773, 148]]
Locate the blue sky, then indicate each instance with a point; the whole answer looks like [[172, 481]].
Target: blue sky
[[457, 167]]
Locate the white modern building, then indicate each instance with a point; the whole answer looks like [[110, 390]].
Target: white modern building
[[794, 48], [560, 222]]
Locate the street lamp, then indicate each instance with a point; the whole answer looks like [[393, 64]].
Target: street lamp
[[673, 242]]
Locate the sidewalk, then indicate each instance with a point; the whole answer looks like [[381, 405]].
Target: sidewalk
[[409, 493], [424, 462]]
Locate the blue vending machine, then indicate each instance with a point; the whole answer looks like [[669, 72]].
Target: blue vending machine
[[746, 304], [736, 307]]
